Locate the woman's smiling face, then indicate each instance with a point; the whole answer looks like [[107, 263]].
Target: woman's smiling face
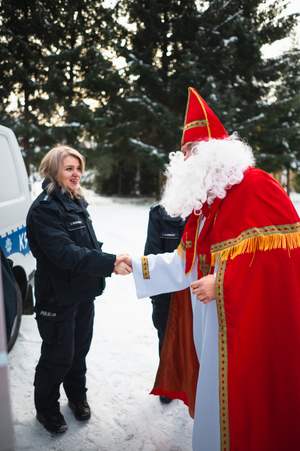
[[70, 173]]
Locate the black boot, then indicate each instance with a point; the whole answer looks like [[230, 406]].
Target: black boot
[[53, 423], [165, 399], [81, 410]]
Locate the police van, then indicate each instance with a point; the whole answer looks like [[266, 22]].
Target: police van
[[15, 200]]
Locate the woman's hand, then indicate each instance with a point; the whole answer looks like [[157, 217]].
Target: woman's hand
[[205, 289], [123, 264]]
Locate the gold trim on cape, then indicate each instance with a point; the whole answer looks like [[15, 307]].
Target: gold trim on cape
[[203, 266], [223, 359], [195, 245], [286, 236]]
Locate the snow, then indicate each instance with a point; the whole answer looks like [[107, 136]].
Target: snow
[[154, 151], [121, 364], [228, 41]]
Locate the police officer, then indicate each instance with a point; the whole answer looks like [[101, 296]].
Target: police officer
[[70, 273], [164, 235]]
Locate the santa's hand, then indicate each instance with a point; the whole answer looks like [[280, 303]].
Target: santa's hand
[[123, 258], [205, 289]]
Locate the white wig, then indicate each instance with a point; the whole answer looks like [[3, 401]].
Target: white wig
[[214, 167]]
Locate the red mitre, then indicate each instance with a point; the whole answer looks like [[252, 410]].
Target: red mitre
[[200, 123]]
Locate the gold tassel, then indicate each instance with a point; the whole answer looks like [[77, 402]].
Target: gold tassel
[[288, 241], [181, 252]]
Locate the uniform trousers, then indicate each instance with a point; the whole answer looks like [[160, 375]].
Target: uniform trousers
[[67, 334], [160, 315]]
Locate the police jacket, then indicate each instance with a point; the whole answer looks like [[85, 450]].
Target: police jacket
[[70, 264], [164, 235]]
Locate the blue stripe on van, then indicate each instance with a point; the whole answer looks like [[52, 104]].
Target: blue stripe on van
[[15, 242]]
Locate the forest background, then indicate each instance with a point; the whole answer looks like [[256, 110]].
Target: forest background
[[111, 80]]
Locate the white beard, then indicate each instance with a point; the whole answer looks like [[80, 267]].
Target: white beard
[[214, 167]]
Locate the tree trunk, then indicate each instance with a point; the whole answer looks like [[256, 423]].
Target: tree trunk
[[120, 181]]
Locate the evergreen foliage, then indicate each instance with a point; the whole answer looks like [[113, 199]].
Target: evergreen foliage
[[54, 60], [216, 47], [57, 61]]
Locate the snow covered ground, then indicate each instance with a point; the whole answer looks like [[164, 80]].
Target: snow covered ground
[[122, 362]]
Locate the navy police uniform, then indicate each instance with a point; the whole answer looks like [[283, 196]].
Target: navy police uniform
[[164, 235], [71, 271]]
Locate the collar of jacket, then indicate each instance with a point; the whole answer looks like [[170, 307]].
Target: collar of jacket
[[66, 199]]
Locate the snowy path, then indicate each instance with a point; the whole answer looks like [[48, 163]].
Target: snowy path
[[121, 364]]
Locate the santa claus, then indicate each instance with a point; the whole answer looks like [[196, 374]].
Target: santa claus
[[231, 347]]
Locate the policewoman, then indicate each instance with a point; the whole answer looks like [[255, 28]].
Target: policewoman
[[70, 273]]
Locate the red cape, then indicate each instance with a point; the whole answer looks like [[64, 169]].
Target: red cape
[[254, 233], [178, 370]]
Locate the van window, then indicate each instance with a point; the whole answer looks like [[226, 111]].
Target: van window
[[9, 188]]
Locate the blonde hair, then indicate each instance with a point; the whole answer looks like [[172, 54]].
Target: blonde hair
[[52, 163]]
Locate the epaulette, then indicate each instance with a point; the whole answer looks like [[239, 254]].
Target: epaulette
[[155, 207], [46, 198]]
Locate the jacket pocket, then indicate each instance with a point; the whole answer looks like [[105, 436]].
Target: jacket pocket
[[43, 287], [169, 236], [76, 224]]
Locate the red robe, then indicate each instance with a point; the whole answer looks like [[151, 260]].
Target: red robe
[[255, 234]]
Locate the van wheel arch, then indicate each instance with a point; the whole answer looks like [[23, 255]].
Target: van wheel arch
[[20, 276], [17, 321]]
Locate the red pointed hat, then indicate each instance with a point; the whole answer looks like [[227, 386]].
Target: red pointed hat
[[200, 123]]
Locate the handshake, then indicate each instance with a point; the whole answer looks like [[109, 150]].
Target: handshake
[[123, 264]]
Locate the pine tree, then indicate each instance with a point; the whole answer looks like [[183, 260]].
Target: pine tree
[[53, 61], [214, 46], [57, 56], [23, 31], [278, 133]]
